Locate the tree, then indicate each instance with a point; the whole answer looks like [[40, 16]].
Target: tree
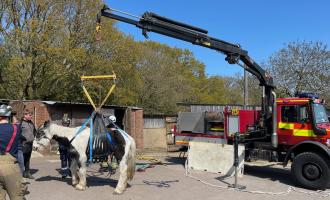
[[166, 76], [301, 67], [49, 43]]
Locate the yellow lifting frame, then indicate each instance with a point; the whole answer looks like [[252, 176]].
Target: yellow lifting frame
[[86, 78]]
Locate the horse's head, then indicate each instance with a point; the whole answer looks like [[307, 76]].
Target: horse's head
[[43, 136]]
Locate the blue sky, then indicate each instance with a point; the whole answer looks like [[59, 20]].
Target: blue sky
[[261, 27]]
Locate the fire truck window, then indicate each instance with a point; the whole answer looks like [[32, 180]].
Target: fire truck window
[[294, 114], [303, 114], [289, 114]]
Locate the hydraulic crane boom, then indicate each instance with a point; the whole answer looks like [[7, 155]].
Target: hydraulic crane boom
[[234, 54]]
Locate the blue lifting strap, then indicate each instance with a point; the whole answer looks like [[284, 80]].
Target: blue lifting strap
[[91, 142], [110, 139], [83, 126], [90, 121]]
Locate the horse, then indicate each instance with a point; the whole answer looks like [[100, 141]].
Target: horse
[[124, 152]]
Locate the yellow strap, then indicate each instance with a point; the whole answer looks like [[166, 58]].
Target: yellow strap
[[82, 78], [98, 77], [89, 97], [105, 99]]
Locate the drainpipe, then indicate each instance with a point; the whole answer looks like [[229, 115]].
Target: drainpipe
[[274, 134], [35, 116]]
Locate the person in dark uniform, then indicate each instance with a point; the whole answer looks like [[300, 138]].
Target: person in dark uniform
[[63, 147], [65, 159], [28, 132], [109, 122], [10, 176]]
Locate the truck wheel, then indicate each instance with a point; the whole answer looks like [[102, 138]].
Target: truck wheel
[[311, 170]]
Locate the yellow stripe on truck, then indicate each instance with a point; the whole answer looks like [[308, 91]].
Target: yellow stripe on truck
[[296, 132], [182, 142], [303, 133], [286, 125], [292, 100]]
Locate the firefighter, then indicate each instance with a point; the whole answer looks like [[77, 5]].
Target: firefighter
[[63, 148], [105, 165], [10, 175]]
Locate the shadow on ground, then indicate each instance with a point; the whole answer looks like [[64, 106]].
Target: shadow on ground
[[54, 178], [100, 181], [91, 180], [270, 173], [175, 160]]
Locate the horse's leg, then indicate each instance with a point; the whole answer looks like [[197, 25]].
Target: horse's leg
[[82, 174], [74, 170], [82, 178], [122, 181], [126, 166]]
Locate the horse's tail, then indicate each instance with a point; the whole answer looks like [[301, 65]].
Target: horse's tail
[[131, 159]]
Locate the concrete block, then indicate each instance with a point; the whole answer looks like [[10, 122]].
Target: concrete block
[[215, 158]]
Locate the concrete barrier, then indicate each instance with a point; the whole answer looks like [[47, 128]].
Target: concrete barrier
[[215, 158]]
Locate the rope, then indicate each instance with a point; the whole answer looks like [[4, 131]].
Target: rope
[[290, 189]]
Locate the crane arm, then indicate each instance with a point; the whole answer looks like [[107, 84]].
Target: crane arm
[[151, 22]]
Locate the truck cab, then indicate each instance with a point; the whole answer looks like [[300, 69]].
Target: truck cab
[[304, 137], [300, 119]]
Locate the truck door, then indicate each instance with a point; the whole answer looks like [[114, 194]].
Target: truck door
[[294, 124]]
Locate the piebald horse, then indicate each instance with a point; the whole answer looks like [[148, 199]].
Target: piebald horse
[[124, 150]]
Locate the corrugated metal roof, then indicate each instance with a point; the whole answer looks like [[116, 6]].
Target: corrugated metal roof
[[71, 103]]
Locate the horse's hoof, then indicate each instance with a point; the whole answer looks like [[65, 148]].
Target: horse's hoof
[[117, 192], [80, 187]]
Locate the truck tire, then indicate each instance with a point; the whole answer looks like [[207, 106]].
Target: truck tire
[[311, 170]]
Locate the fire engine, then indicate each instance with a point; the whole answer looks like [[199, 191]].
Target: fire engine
[[284, 129]]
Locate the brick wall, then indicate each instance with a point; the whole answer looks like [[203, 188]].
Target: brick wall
[[134, 125], [40, 110], [139, 128]]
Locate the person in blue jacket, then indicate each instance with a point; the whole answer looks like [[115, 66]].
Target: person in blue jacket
[[10, 175]]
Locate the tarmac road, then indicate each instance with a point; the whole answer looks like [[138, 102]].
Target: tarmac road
[[163, 182]]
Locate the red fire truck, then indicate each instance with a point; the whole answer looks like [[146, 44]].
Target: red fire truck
[[285, 129]]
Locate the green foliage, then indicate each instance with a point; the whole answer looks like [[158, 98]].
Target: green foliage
[[46, 45], [50, 44]]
